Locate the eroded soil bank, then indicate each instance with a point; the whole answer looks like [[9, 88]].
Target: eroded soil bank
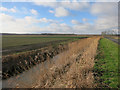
[[70, 69], [14, 64]]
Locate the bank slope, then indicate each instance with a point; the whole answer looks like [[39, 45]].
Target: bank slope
[[106, 64]]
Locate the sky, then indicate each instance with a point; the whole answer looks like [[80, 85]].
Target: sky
[[58, 17]]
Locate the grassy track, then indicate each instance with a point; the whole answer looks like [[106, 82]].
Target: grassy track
[[107, 63]]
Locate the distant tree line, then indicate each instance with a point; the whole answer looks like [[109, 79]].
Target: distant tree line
[[110, 32], [35, 34], [55, 34]]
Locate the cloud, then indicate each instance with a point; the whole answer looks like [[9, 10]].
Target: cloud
[[60, 12], [78, 6], [106, 19], [73, 5], [84, 20], [6, 18], [47, 4], [82, 28], [19, 25], [30, 20], [27, 24], [33, 11], [75, 22], [51, 11], [58, 28], [107, 15], [106, 23], [8, 10], [47, 20], [64, 7], [104, 8]]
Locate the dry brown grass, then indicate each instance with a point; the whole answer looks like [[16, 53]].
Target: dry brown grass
[[73, 68]]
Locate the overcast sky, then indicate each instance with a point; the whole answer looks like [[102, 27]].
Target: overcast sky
[[58, 17]]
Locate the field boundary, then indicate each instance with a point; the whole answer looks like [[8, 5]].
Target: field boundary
[[106, 64]]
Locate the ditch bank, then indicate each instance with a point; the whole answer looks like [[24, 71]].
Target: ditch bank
[[73, 69], [17, 63], [69, 69]]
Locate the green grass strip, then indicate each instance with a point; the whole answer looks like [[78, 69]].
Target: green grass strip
[[107, 63]]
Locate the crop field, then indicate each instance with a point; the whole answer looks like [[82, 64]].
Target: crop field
[[13, 43], [18, 40]]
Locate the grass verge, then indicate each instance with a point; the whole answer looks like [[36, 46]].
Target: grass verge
[[106, 64]]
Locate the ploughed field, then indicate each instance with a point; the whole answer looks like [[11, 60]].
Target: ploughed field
[[19, 43]]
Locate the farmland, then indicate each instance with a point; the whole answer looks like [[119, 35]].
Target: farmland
[[60, 44], [55, 61], [18, 40], [65, 64], [20, 43]]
